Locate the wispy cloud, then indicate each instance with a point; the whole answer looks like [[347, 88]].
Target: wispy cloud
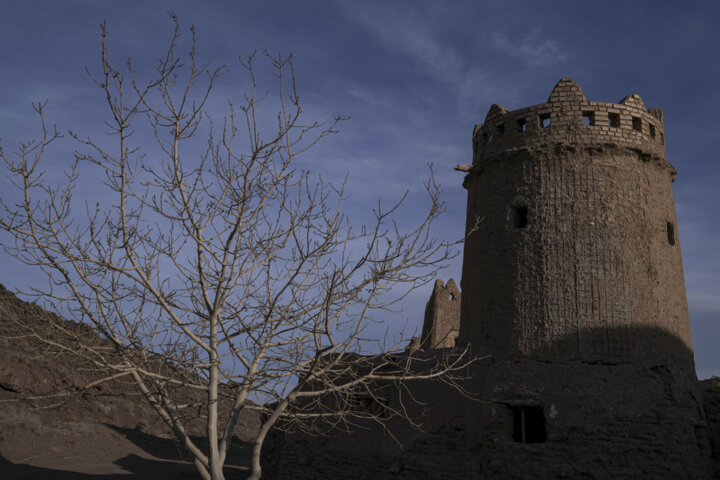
[[535, 48], [406, 34], [412, 36]]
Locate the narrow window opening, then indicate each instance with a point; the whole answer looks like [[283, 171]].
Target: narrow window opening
[[662, 138], [528, 424], [671, 233], [588, 118], [521, 125], [544, 120], [652, 130], [452, 297], [520, 216], [501, 130], [637, 124], [614, 120], [365, 403]]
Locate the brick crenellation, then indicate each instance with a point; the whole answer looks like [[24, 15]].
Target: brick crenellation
[[569, 117]]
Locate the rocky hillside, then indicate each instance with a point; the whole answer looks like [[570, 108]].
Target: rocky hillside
[[50, 427]]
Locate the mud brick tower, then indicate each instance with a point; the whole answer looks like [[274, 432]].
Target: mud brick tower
[[577, 257]]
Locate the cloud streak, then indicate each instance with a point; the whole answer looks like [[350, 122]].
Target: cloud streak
[[534, 48], [419, 40]]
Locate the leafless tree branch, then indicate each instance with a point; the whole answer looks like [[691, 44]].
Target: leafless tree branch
[[223, 269]]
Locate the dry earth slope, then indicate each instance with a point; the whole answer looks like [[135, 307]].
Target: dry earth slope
[[107, 431]]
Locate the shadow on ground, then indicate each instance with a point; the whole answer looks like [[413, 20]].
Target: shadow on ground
[[163, 459], [137, 466]]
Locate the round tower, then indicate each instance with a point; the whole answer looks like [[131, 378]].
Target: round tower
[[576, 256]]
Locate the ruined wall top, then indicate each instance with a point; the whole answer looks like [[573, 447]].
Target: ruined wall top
[[568, 117], [442, 316]]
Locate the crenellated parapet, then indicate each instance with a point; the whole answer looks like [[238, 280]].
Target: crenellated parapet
[[569, 118]]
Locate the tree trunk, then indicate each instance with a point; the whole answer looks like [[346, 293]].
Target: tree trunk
[[215, 461]]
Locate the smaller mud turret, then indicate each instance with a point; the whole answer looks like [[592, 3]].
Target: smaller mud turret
[[442, 316]]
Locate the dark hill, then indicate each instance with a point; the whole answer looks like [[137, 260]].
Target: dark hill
[[50, 427]]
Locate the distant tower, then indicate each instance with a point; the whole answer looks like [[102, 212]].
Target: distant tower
[[577, 256], [442, 316]]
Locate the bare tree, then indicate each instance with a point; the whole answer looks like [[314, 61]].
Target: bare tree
[[221, 269]]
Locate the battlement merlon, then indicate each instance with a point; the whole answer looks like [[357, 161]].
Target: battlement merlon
[[569, 118]]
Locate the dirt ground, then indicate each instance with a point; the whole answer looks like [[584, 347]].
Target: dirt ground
[[107, 432], [30, 449]]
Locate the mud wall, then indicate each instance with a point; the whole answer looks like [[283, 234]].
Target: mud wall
[[601, 422]]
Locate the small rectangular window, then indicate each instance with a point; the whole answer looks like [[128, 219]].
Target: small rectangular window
[[365, 403], [520, 216], [528, 424], [652, 130], [671, 233], [521, 125], [588, 118], [637, 124], [614, 120], [544, 120]]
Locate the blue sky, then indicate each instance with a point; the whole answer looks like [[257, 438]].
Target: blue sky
[[415, 77]]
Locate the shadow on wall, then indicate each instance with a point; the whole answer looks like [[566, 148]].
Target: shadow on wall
[[642, 346], [640, 413]]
